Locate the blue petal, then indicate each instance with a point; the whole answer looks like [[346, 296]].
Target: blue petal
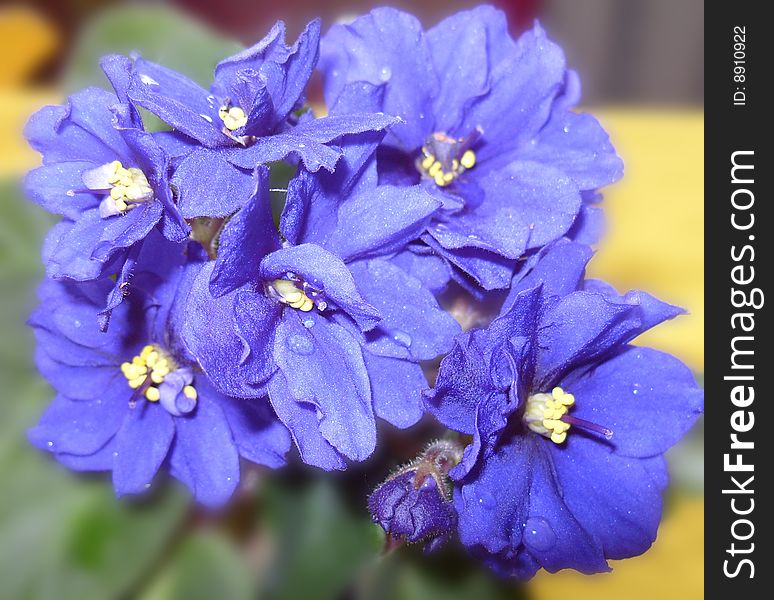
[[178, 101], [577, 145], [652, 311], [308, 142], [81, 130], [552, 534], [210, 334], [301, 419], [260, 437], [522, 88], [578, 329], [69, 312], [286, 70], [526, 205], [358, 97], [83, 251], [142, 446], [284, 146], [76, 382], [204, 455], [413, 325], [175, 144], [381, 220], [245, 240], [396, 387], [464, 48], [590, 225], [118, 70], [101, 460], [328, 129], [559, 268], [323, 365], [81, 427], [613, 497], [489, 270], [384, 47], [649, 400], [209, 186], [327, 273], [419, 261], [493, 505], [312, 201], [463, 379], [59, 189]]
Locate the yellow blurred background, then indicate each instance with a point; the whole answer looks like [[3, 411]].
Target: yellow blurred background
[[654, 242]]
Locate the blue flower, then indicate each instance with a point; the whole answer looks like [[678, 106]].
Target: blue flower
[[485, 124], [131, 400], [569, 423], [321, 318], [414, 503], [249, 116], [107, 177]]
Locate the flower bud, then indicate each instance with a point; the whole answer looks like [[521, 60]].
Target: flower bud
[[414, 503]]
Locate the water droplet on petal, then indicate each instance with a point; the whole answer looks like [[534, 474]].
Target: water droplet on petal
[[50, 444], [385, 74], [538, 534], [486, 499], [300, 344], [147, 486], [566, 129], [308, 323], [70, 193], [148, 80], [401, 337]]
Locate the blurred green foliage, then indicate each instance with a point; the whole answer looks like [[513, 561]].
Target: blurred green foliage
[[158, 33]]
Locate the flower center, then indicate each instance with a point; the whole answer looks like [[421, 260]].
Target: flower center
[[296, 294], [233, 117], [547, 414], [445, 158], [154, 374], [125, 187]]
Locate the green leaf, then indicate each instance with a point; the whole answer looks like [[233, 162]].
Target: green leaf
[[158, 33], [321, 544], [205, 566]]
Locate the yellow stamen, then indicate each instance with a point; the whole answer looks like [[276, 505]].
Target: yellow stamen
[[289, 293], [468, 159], [149, 368], [433, 168], [544, 414], [233, 118]]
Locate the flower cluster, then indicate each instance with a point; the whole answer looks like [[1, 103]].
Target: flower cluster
[[194, 317]]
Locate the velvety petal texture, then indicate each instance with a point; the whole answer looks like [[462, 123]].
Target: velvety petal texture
[[130, 401], [317, 315], [107, 177], [504, 150], [570, 488]]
